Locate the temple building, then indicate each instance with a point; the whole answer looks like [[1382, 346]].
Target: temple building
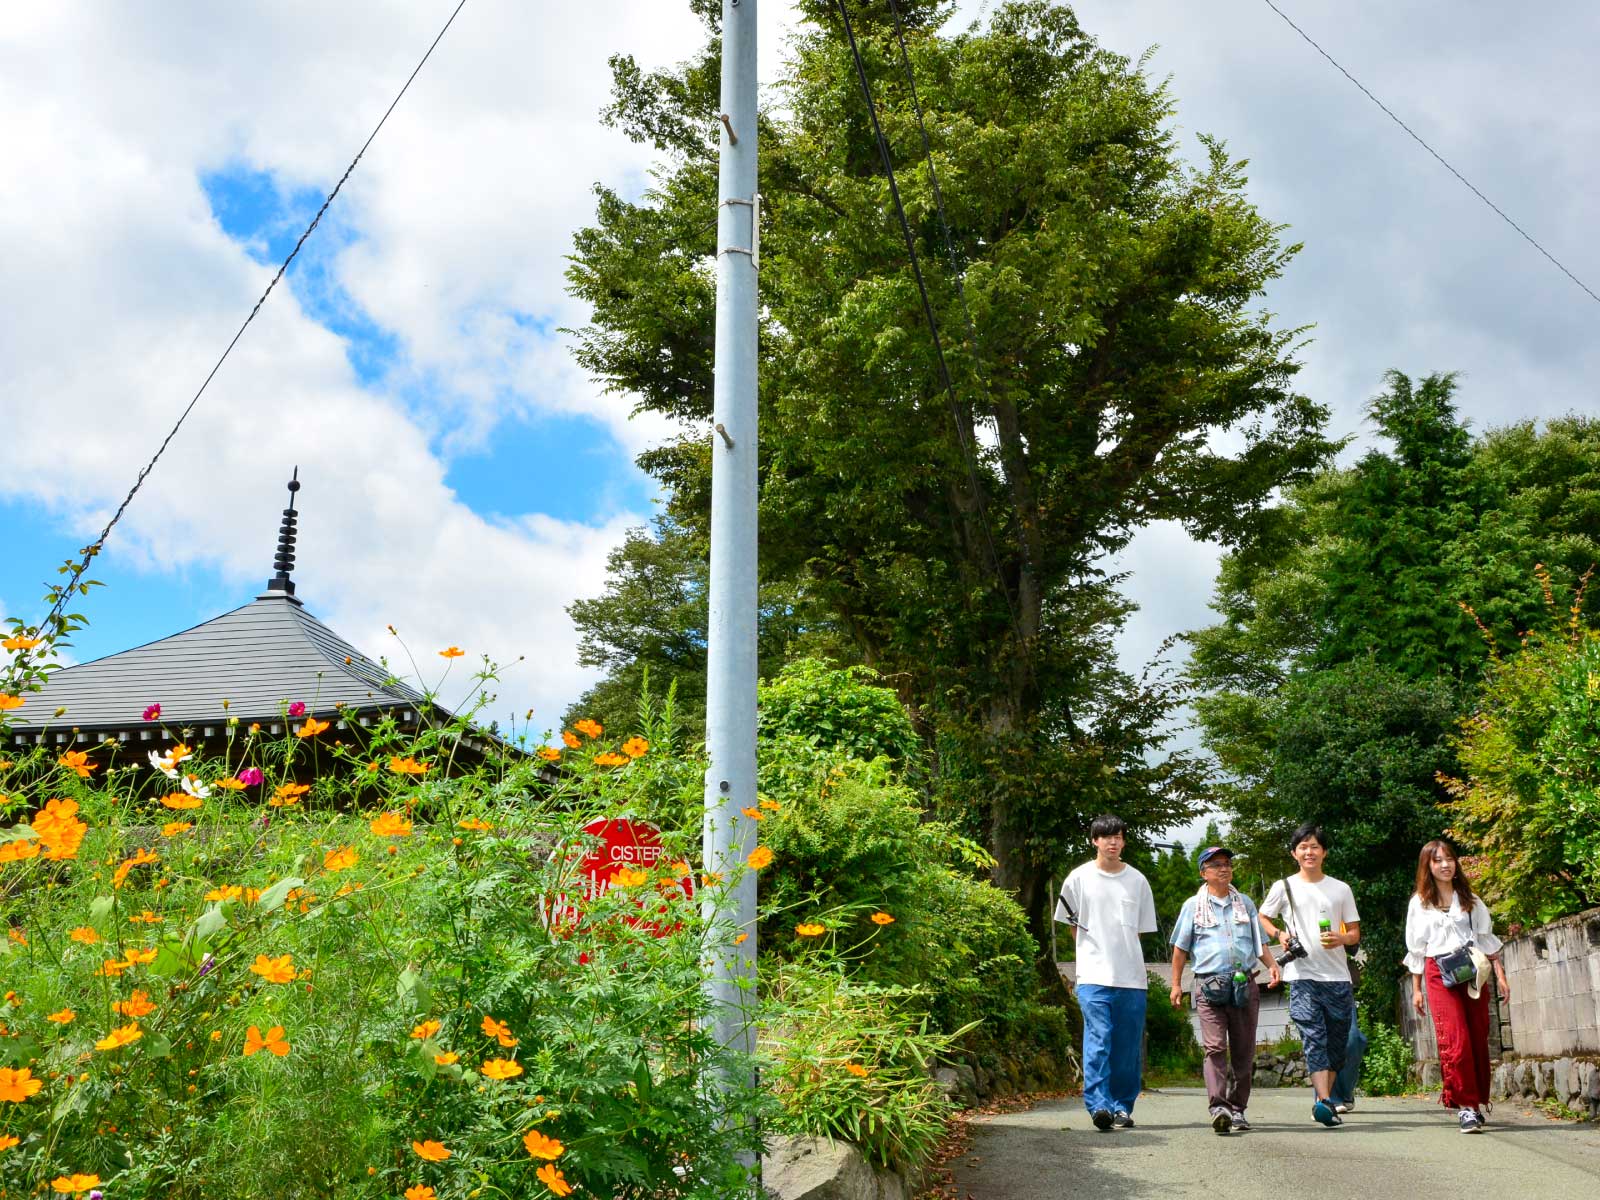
[[244, 667]]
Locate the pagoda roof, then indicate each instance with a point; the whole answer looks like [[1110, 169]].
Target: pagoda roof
[[257, 658]]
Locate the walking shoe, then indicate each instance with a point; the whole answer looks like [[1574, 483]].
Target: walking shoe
[[1241, 1123], [1222, 1120], [1123, 1120], [1322, 1112], [1469, 1121], [1483, 1115], [1101, 1119], [1344, 1106]]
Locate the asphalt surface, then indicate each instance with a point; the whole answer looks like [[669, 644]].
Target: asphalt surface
[[1400, 1147]]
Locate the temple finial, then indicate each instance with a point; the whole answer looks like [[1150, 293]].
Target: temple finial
[[283, 561]]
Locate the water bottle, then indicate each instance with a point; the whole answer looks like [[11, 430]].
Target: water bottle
[[1239, 976]]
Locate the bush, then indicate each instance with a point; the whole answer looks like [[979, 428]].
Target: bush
[[1172, 1046], [1386, 1068]]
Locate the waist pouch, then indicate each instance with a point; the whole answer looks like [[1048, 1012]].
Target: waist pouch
[[1456, 967], [1222, 991]]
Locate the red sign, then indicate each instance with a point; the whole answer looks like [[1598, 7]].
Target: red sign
[[624, 846]]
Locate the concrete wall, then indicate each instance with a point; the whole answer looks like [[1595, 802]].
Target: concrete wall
[[1554, 973]]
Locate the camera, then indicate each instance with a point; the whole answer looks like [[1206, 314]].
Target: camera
[[1291, 951]]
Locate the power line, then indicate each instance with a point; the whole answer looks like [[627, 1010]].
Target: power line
[[1526, 236], [968, 457], [98, 544]]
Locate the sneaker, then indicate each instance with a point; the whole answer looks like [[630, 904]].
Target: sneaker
[[1241, 1123], [1469, 1121], [1337, 1119], [1343, 1107], [1123, 1120], [1101, 1119], [1322, 1112], [1222, 1120], [1483, 1116]]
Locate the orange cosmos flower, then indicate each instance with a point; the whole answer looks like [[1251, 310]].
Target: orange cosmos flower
[[755, 814], [499, 1030], [7, 1141], [857, 1070], [629, 877], [551, 1176], [609, 759], [741, 939], [635, 747], [882, 918], [540, 1146], [771, 806], [228, 891], [452, 652], [287, 793], [20, 642], [136, 955], [430, 1151], [145, 918], [139, 859], [420, 1192], [59, 830], [341, 859], [17, 936], [71, 1185], [407, 766], [274, 970], [9, 702], [137, 1005], [501, 1068], [181, 800], [311, 728], [273, 1042], [589, 727], [19, 850], [77, 760], [549, 753], [65, 1017], [810, 929], [230, 785], [474, 824], [87, 934], [391, 824], [123, 1035], [425, 1030], [17, 1084], [174, 828], [571, 739], [111, 968], [759, 857], [447, 1058]]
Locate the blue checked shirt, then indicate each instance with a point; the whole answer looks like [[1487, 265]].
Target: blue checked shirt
[[1223, 946]]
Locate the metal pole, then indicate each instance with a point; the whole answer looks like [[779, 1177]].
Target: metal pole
[[730, 836]]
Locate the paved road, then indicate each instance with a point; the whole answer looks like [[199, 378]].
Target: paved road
[[1402, 1148]]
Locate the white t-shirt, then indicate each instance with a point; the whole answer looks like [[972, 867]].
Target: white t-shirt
[[1111, 911], [1328, 899]]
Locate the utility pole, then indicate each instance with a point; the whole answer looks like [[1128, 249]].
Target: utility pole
[[730, 836]]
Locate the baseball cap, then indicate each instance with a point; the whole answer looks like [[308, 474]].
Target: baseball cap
[[1211, 852]]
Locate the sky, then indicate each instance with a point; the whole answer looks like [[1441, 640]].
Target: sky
[[463, 480]]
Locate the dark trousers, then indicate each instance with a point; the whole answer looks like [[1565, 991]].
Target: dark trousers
[[1228, 1034]]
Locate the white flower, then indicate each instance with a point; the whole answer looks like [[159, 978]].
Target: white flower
[[192, 785], [165, 765]]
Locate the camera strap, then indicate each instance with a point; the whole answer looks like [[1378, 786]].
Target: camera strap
[[1294, 913]]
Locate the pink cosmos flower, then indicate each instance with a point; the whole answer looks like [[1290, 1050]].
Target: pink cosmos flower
[[297, 709], [153, 713], [251, 777]]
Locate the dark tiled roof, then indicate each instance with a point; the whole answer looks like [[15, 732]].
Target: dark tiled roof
[[257, 657]]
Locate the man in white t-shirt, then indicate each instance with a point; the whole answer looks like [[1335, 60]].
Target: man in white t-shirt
[[1320, 917], [1109, 904]]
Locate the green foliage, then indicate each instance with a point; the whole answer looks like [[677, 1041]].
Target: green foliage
[[842, 708], [971, 584], [851, 1060], [1527, 798], [1173, 1048], [1386, 1067]]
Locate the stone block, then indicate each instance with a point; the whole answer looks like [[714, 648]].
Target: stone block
[[1521, 1082], [796, 1168], [1431, 1079], [1497, 1083], [1563, 1079], [949, 1082], [1539, 1088]]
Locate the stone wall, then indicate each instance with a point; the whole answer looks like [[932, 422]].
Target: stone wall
[[1575, 1082]]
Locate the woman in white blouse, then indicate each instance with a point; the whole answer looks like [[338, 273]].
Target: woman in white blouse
[[1444, 917]]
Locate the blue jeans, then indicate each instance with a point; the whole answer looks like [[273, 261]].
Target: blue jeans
[[1113, 1045], [1344, 1084]]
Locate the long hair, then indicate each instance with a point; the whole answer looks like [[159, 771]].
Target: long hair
[[1428, 886]]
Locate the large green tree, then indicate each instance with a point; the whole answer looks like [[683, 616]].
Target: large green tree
[[1097, 303]]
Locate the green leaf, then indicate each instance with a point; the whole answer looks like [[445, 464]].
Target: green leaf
[[272, 899]]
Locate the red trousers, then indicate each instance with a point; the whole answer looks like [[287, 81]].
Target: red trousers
[[1461, 1025]]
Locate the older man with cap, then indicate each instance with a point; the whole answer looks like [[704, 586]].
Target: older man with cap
[[1217, 927]]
